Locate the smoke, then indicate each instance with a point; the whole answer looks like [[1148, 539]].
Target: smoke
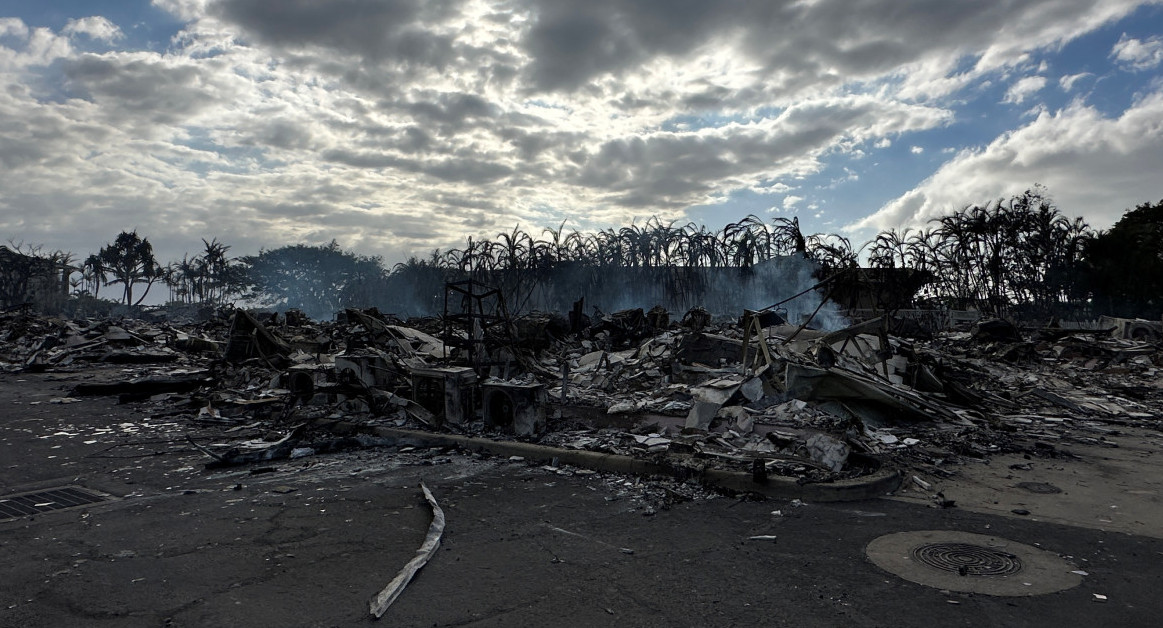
[[323, 280], [723, 291], [782, 278]]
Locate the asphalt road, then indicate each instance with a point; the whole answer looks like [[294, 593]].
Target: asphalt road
[[311, 541]]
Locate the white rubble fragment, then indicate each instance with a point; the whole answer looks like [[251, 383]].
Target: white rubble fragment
[[827, 451]]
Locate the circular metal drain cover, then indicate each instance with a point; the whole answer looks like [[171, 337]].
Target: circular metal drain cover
[[966, 559], [972, 563]]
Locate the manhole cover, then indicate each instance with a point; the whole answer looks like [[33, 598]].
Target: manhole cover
[[47, 500], [966, 559], [972, 563], [1039, 487]]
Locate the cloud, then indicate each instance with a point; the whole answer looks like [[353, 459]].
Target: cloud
[[184, 9], [790, 47], [1138, 54], [13, 27], [1094, 166], [401, 31], [731, 54], [145, 90], [1067, 82], [675, 169], [27, 47], [1024, 88], [403, 125], [94, 27]]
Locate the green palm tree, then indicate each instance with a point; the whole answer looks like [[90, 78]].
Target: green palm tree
[[130, 260]]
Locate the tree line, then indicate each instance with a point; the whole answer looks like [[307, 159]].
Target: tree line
[[208, 278], [1017, 256]]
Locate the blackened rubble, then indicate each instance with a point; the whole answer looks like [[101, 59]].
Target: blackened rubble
[[686, 394]]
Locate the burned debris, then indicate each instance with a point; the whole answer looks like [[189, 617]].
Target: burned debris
[[659, 407], [751, 404]]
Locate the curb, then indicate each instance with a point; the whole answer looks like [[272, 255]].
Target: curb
[[876, 484]]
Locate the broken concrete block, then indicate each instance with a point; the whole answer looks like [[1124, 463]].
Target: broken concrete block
[[752, 389], [622, 407], [701, 414], [708, 398], [828, 451]]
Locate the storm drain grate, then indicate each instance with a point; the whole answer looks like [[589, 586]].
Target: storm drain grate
[[967, 559], [37, 502], [972, 563]]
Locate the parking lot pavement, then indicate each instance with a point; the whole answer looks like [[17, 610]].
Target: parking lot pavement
[[308, 542]]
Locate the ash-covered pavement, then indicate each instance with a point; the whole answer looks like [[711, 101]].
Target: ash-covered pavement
[[308, 541]]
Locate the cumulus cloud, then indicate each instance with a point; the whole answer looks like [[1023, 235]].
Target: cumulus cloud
[[13, 27], [184, 9], [94, 27], [1095, 166], [22, 47], [406, 31], [1138, 54], [1024, 88], [678, 169], [146, 91], [402, 125], [793, 46]]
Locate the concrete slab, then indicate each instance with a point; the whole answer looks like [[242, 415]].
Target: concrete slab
[[1116, 488]]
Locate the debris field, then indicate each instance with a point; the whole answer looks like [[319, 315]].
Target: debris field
[[748, 405]]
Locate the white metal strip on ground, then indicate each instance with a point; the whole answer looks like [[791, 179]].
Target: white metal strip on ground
[[384, 599]]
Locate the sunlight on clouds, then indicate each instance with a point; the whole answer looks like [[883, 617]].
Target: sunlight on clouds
[[407, 125], [94, 27], [28, 48], [13, 27], [185, 9], [1138, 54], [1024, 88], [1100, 167]]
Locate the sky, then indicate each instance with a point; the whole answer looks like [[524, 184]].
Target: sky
[[399, 126]]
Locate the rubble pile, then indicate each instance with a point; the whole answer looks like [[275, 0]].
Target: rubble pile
[[687, 394]]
